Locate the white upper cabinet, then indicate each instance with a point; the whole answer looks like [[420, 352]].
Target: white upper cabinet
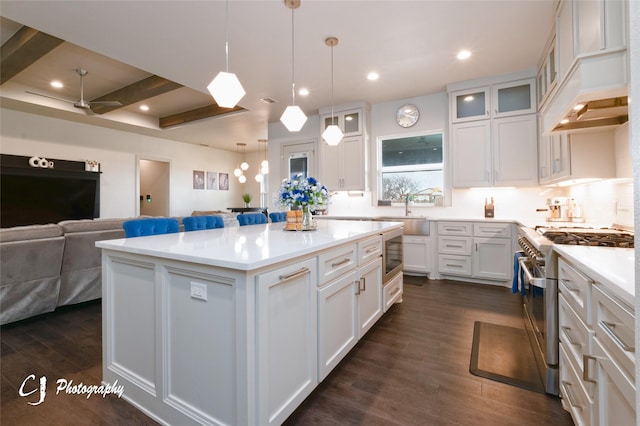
[[470, 105], [350, 122], [343, 167], [493, 101], [494, 133], [513, 98]]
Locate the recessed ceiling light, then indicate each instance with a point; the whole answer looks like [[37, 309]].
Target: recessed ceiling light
[[303, 92], [564, 121], [373, 76], [57, 84], [578, 107], [144, 107], [463, 54]]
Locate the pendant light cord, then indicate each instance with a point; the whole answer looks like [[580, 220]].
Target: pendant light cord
[[333, 118], [293, 76], [226, 35]]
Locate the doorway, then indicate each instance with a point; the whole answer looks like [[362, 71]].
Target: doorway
[[153, 187]]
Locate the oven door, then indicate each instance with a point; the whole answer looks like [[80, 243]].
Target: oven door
[[392, 253], [541, 321]]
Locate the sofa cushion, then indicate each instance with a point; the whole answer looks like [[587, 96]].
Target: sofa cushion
[[85, 225], [30, 232]]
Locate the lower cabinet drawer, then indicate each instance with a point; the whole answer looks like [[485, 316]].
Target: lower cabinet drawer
[[336, 262], [574, 334], [574, 396], [392, 292], [613, 325], [454, 265], [455, 245]]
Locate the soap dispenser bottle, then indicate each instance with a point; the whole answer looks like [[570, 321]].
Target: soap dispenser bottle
[[488, 208]]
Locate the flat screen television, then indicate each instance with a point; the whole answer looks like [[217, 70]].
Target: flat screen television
[[33, 196]]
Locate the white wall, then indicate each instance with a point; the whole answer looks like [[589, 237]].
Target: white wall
[[117, 151]]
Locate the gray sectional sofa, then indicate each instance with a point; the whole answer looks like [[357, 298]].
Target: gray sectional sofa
[[46, 266], [43, 267]]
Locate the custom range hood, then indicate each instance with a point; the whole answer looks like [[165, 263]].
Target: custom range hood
[[596, 113], [593, 94]]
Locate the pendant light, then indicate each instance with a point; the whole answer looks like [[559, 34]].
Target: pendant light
[[225, 87], [239, 171], [293, 118], [264, 166], [332, 134]]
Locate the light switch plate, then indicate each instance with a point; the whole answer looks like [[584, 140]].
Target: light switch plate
[[198, 291]]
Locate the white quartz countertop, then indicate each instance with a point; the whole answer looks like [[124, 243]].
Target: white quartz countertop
[[248, 247], [611, 266]]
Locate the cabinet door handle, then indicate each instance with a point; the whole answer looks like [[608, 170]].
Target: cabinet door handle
[[342, 262], [569, 338], [609, 329], [357, 283], [476, 246], [364, 283], [585, 368], [294, 274], [569, 395]]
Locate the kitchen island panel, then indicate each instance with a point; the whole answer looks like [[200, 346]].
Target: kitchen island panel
[[199, 343], [130, 307]]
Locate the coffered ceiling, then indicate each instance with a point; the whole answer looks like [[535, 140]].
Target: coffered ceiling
[[164, 53]]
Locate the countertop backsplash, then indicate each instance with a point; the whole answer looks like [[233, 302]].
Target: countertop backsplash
[[510, 204], [606, 202]]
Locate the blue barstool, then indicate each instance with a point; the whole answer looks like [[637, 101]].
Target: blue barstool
[[251, 219], [278, 216], [150, 226], [198, 223]]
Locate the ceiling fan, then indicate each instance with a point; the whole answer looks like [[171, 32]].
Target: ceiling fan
[[82, 104]]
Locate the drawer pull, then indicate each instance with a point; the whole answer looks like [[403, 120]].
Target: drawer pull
[[609, 327], [585, 368], [453, 245], [342, 262], [569, 338], [395, 290], [372, 250], [294, 274], [569, 394], [449, 265]]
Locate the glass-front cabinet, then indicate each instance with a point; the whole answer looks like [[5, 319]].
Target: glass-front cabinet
[[514, 98], [498, 100], [350, 122], [470, 105]]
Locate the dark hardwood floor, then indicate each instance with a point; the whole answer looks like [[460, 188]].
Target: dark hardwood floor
[[412, 368]]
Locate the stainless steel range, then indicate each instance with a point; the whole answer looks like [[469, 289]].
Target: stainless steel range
[[538, 266]]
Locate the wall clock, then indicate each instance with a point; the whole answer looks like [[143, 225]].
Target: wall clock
[[407, 115]]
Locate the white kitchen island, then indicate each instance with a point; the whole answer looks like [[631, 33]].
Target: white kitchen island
[[236, 326]]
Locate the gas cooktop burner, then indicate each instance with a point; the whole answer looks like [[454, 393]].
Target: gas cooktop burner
[[602, 239]]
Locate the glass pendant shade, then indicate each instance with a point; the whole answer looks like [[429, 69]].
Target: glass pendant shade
[[259, 178], [332, 135], [226, 89], [244, 165], [293, 118], [237, 172], [242, 179], [264, 164]]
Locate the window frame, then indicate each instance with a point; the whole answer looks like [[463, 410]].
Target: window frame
[[413, 168]]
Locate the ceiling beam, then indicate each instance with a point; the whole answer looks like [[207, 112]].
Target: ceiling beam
[[196, 114], [136, 92], [24, 48]]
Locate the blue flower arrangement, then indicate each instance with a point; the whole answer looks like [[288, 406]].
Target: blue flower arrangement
[[303, 192]]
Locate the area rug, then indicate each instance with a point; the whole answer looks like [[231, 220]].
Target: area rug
[[504, 354]]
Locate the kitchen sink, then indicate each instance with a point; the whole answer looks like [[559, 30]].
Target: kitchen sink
[[412, 225]]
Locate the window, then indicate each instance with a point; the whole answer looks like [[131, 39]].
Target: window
[[413, 167]]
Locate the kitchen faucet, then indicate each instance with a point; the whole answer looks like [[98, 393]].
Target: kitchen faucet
[[406, 205]]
